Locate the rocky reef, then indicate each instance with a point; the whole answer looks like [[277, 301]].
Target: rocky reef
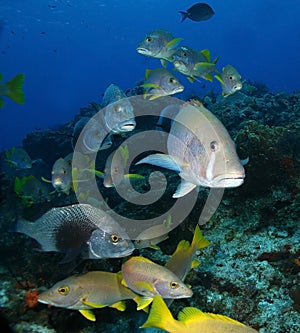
[[251, 270]]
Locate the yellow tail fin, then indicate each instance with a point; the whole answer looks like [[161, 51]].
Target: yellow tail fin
[[14, 89], [161, 317]]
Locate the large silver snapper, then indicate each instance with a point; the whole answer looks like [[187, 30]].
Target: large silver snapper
[[200, 150]]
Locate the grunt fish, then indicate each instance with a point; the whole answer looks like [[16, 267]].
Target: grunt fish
[[146, 278], [194, 63], [200, 150], [79, 228], [161, 82], [230, 80], [192, 320], [61, 175], [18, 158], [85, 292], [159, 44], [118, 112]]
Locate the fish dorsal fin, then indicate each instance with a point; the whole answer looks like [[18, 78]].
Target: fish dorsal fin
[[183, 245], [206, 54], [190, 314], [173, 43], [121, 306], [142, 302], [163, 62], [93, 305], [142, 259], [88, 314], [183, 188], [147, 73]]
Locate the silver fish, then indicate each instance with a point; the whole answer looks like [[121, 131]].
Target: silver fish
[[230, 80], [84, 292], [200, 150], [79, 228], [61, 175], [161, 82], [194, 63], [118, 112], [159, 44]]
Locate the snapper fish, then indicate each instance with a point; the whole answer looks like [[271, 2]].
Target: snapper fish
[[159, 44], [148, 279], [76, 229], [192, 320], [62, 175], [118, 112], [85, 292], [197, 12], [194, 63], [161, 82], [18, 158], [12, 89], [200, 150], [230, 80]]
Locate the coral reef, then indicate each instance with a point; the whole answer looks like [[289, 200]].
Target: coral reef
[[250, 271]]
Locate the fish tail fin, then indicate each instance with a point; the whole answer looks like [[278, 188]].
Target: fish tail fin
[[161, 317], [23, 226], [184, 15], [14, 89], [199, 242]]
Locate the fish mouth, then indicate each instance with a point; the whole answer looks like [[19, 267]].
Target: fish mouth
[[127, 126], [142, 50], [228, 181]]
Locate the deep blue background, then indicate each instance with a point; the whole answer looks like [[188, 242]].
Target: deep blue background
[[70, 53]]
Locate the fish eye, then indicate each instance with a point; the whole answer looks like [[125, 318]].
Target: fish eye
[[118, 108], [149, 39], [230, 77], [114, 238], [174, 284], [184, 54], [64, 290], [214, 146], [172, 80]]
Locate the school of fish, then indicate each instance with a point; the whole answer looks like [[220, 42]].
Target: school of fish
[[199, 149]]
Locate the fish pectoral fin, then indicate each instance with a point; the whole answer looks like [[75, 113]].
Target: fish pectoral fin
[[70, 255], [88, 314], [142, 302], [134, 176], [93, 305], [191, 79], [121, 306], [163, 161], [155, 96], [154, 247], [183, 188], [218, 77], [123, 283], [46, 180], [150, 85], [144, 286]]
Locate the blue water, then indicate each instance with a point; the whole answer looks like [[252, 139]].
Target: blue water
[[70, 51]]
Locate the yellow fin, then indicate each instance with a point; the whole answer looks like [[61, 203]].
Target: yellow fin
[[154, 247], [206, 54], [152, 97], [199, 242], [147, 73], [134, 176], [14, 87], [150, 85], [93, 305], [142, 302], [190, 314], [209, 77], [218, 77], [125, 154], [195, 263], [123, 283], [46, 180], [142, 259], [161, 317], [173, 43], [88, 314], [163, 62], [121, 306], [191, 79], [144, 286]]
